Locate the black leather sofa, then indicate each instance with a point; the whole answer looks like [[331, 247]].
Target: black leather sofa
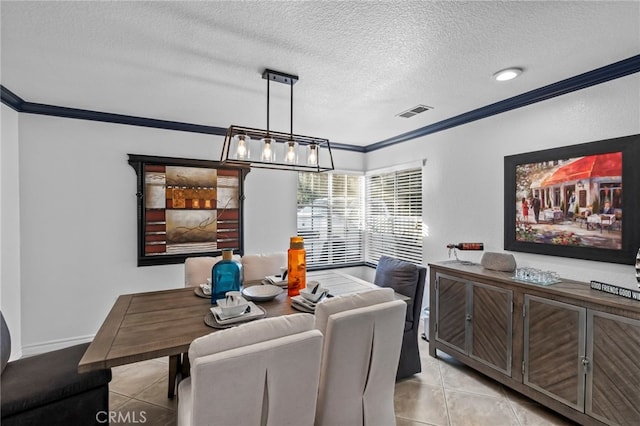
[[47, 389]]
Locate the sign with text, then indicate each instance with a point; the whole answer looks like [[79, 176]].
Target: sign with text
[[618, 291]]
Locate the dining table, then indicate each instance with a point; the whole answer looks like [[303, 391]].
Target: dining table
[[600, 220], [143, 326]]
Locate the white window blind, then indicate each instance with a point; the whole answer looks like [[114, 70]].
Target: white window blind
[[330, 218], [393, 215]]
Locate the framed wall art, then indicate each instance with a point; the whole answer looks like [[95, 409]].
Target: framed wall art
[[187, 208], [580, 201]]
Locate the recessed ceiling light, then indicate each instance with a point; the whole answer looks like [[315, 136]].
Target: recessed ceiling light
[[507, 74]]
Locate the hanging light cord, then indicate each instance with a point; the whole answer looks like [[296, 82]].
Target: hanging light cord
[[291, 127], [268, 106]]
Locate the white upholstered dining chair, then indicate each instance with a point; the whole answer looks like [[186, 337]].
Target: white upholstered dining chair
[[264, 372], [257, 266], [254, 267], [362, 341], [198, 269]]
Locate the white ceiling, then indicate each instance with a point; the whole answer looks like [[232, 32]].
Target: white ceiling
[[359, 63]]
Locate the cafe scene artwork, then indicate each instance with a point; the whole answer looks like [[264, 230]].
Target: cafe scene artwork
[[571, 202]]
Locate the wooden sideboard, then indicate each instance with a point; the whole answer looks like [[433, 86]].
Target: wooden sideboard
[[566, 346]]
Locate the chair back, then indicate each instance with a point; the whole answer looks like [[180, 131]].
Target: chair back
[[257, 266], [408, 279], [405, 278], [198, 269], [265, 372], [363, 337]]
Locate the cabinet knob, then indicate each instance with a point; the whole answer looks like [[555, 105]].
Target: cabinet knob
[[468, 317]]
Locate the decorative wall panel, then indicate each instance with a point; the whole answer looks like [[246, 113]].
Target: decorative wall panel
[[187, 208]]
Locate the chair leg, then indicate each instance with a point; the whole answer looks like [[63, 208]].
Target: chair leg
[[185, 366], [174, 367]]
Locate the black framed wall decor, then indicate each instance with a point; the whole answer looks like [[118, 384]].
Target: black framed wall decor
[[580, 201], [187, 207]]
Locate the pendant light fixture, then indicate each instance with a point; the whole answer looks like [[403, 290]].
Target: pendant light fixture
[[268, 153], [276, 150]]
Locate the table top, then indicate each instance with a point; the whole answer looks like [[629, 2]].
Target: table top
[[154, 324], [598, 217]]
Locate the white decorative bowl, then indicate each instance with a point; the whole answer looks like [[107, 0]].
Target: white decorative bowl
[[232, 307]]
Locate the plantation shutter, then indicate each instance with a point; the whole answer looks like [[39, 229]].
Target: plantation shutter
[[330, 218], [393, 215]]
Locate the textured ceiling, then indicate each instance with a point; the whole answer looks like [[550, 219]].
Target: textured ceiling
[[359, 63]]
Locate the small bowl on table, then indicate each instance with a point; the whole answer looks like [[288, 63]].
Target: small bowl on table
[[233, 305], [314, 292]]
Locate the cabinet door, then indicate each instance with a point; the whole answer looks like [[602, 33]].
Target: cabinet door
[[613, 383], [491, 324], [451, 302], [554, 349]]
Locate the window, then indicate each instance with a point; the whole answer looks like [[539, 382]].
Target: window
[[348, 219], [393, 218], [330, 218]]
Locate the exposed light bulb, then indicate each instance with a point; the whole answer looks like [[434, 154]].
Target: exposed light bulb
[[267, 151], [242, 146], [312, 158], [291, 156], [241, 152]]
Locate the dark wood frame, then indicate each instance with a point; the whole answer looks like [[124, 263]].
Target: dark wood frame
[[138, 162], [630, 148]]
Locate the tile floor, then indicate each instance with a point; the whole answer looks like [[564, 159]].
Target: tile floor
[[445, 393]]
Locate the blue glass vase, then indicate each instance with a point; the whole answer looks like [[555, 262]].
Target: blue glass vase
[[226, 275]]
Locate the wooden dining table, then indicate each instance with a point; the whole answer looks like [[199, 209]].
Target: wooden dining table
[[143, 326]]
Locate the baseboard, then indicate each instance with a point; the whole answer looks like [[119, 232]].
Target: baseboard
[[52, 345], [15, 354]]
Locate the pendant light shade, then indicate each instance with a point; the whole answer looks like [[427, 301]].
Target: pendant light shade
[[276, 150], [241, 149], [290, 152], [268, 150], [312, 155]]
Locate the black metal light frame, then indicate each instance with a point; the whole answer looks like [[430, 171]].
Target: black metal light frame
[[324, 146]]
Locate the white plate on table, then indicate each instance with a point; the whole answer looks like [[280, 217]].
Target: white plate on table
[[302, 304], [254, 312], [261, 293]]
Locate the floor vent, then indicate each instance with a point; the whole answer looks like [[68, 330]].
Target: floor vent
[[414, 111]]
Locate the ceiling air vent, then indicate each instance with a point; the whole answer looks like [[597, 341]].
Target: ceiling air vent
[[414, 111]]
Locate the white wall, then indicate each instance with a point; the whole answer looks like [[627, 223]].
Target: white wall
[[78, 220], [463, 177], [78, 206], [9, 229]]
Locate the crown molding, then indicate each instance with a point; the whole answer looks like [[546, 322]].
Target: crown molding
[[10, 99], [17, 103], [591, 78]]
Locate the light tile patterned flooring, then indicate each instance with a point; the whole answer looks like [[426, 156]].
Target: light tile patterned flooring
[[446, 393]]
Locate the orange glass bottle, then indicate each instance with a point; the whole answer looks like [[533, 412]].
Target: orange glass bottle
[[297, 266]]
